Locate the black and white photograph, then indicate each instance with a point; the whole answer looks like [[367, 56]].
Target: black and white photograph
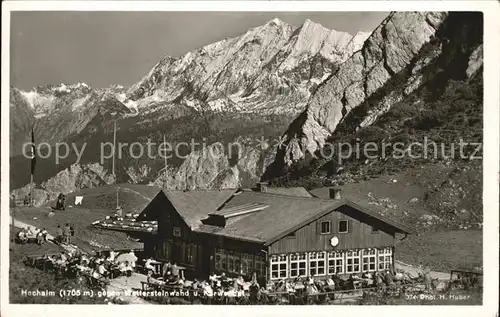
[[247, 157]]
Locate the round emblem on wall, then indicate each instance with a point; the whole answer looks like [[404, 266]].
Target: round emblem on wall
[[334, 241]]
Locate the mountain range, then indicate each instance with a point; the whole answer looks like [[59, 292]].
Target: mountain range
[[263, 76], [281, 92]]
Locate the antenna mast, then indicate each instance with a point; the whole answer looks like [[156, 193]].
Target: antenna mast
[[114, 150], [166, 171]]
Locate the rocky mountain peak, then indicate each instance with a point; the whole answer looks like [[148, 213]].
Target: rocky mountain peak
[[389, 49], [264, 69], [276, 21]]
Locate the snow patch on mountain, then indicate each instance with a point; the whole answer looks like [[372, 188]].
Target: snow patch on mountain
[[62, 88], [36, 100], [77, 103], [271, 68]]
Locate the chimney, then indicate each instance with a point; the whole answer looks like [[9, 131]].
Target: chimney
[[335, 193], [262, 187]]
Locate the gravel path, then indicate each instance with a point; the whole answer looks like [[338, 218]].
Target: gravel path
[[122, 284]]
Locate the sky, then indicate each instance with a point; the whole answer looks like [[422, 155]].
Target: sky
[[104, 48]]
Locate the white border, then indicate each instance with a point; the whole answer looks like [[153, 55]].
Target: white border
[[491, 154]]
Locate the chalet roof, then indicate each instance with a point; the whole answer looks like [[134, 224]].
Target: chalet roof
[[284, 214], [259, 216], [239, 210], [289, 191], [195, 205], [358, 194]]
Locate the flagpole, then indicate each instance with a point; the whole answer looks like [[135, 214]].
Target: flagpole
[[31, 191], [33, 160], [165, 184], [114, 150]]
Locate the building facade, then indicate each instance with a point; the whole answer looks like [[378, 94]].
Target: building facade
[[275, 235]]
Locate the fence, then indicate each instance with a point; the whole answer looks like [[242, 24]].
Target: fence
[[297, 298]]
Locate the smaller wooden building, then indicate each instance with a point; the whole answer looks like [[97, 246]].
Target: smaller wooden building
[[276, 235]]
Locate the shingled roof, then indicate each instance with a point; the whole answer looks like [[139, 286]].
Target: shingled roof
[[193, 206], [283, 213], [289, 191], [279, 215]]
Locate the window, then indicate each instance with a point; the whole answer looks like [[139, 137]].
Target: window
[[176, 232], [298, 264], [181, 249], [191, 254], [335, 263], [325, 227], [166, 249], [352, 262], [384, 258], [316, 263], [246, 263], [291, 235], [220, 259], [369, 258], [279, 266], [260, 266], [233, 261], [343, 227]]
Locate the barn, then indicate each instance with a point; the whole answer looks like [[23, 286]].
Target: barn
[[278, 234]]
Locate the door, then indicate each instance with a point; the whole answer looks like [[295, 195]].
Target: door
[[206, 260], [176, 250]]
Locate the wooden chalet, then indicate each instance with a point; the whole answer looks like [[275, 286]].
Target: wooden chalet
[[276, 235]]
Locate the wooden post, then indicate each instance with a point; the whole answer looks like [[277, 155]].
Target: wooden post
[[165, 184], [10, 231], [114, 150], [31, 191]]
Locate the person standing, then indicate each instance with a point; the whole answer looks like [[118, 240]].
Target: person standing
[[40, 238], [44, 234], [67, 234], [166, 268], [175, 270], [59, 234], [63, 202], [427, 280]]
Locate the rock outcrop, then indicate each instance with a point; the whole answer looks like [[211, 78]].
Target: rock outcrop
[[218, 167], [475, 61], [66, 181], [388, 50]]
